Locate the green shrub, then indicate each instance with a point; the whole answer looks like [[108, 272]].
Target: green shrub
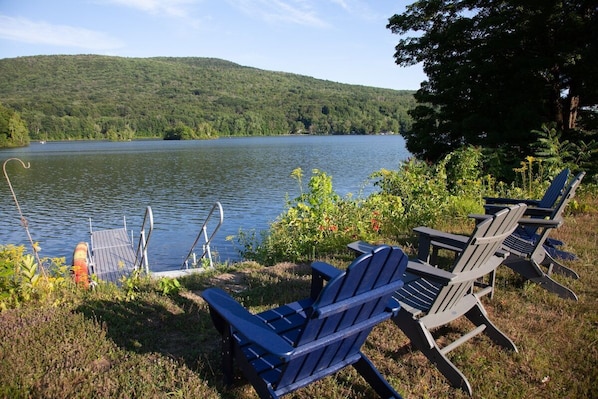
[[431, 194], [169, 286], [317, 222], [557, 153], [21, 282], [422, 190]]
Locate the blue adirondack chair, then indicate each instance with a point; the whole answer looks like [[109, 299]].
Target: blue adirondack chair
[[283, 349], [528, 256], [532, 233], [539, 209], [432, 297]]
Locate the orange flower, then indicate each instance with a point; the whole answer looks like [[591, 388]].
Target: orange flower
[[375, 225]]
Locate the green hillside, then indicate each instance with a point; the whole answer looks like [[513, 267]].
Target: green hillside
[[92, 97]]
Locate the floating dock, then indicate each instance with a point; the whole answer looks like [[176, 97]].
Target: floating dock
[[112, 254]]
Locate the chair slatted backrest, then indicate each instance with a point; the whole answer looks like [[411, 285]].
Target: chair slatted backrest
[[568, 195], [478, 257], [557, 213], [552, 194], [345, 312], [555, 190]]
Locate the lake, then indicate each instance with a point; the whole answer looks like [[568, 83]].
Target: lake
[[71, 183]]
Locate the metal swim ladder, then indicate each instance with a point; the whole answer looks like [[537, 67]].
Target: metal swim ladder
[[207, 252], [141, 253]]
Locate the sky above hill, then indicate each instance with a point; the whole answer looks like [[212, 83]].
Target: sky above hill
[[339, 40]]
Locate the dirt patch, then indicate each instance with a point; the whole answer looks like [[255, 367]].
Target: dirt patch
[[231, 282]]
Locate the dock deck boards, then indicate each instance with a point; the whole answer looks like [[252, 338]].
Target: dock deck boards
[[112, 254]]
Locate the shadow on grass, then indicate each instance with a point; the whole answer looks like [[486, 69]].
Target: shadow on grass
[[178, 329]]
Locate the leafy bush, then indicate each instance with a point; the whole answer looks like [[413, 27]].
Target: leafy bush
[[169, 286], [319, 222], [422, 190], [532, 179], [431, 194], [21, 282], [557, 153], [316, 222]]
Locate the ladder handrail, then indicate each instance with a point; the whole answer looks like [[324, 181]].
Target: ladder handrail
[[203, 231], [141, 253]]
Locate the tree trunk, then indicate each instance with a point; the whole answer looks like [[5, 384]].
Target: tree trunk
[[573, 106]]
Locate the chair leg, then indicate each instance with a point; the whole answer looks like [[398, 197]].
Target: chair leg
[[529, 270], [478, 316], [422, 340], [227, 356], [373, 377], [557, 267], [549, 284]]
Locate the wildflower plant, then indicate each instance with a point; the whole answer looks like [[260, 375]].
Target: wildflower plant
[[318, 221], [21, 281]]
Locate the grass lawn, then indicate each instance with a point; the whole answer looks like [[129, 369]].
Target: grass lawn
[[101, 345]]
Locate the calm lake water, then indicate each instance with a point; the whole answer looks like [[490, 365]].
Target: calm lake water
[[70, 183]]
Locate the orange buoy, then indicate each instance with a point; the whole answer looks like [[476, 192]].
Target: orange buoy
[[80, 270]]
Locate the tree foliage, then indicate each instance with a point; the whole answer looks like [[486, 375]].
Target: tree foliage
[[498, 70], [13, 131], [99, 97]]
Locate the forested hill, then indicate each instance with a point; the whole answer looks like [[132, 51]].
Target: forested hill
[[91, 96]]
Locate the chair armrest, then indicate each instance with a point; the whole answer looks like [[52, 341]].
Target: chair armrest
[[511, 201], [247, 324], [545, 223], [325, 270], [530, 211], [530, 221], [320, 272], [441, 236], [481, 217], [428, 271], [429, 237], [456, 242], [491, 209], [361, 247], [536, 211]]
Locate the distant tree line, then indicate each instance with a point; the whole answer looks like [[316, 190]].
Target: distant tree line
[[99, 97]]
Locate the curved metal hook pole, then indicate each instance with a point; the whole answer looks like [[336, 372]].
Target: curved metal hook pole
[[23, 220]]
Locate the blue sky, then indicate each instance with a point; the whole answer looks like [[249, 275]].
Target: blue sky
[[339, 40]]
